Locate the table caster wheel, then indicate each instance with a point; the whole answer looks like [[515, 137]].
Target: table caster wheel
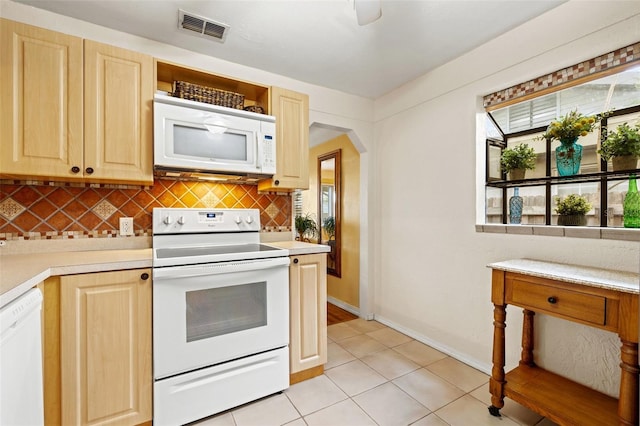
[[494, 411]]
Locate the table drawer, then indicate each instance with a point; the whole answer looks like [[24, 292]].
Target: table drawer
[[581, 306]]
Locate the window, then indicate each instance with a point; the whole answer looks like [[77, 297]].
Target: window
[[526, 121]]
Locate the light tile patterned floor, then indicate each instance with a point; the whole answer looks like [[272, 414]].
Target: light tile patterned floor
[[377, 376]]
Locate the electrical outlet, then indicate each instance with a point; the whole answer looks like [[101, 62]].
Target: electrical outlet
[[126, 226]]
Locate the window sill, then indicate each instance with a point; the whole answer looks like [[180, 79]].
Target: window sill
[[623, 234]]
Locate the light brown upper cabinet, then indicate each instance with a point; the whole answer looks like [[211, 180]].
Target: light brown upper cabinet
[[291, 110], [118, 120], [73, 109]]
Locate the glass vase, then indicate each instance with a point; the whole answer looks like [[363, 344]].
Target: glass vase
[[631, 205], [515, 207], [568, 157]]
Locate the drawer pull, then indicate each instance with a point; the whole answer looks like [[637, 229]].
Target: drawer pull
[[144, 276], [295, 260], [552, 300]]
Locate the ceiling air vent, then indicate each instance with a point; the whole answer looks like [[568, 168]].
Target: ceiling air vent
[[205, 27]]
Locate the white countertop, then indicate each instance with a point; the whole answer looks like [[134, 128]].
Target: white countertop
[[296, 247], [20, 272], [628, 282]]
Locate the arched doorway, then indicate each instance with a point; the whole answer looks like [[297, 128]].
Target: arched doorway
[[350, 291]]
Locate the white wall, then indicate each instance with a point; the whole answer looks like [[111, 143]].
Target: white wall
[[431, 278]]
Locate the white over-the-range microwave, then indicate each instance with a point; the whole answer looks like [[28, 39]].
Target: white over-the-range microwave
[[195, 140]]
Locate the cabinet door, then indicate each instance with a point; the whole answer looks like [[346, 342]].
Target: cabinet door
[[291, 110], [118, 118], [308, 310], [105, 329], [40, 101]]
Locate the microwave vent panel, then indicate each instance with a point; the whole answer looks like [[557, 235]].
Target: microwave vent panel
[[205, 27]]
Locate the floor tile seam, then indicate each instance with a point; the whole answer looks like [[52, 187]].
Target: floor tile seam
[[416, 362], [437, 416], [451, 402], [346, 396], [350, 337], [482, 402], [331, 405], [449, 381], [363, 355], [403, 356], [502, 414], [403, 391], [265, 398], [428, 408], [351, 396], [394, 378], [338, 365], [369, 334], [294, 407], [363, 409]]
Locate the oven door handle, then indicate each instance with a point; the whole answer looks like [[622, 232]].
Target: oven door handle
[[184, 271]]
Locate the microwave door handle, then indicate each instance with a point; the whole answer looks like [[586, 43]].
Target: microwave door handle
[[259, 153]]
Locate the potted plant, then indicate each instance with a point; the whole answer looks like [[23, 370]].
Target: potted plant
[[622, 146], [567, 130], [305, 227], [517, 160], [572, 210]]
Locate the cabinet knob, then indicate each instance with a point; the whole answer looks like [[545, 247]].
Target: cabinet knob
[[89, 170], [296, 260], [276, 182], [144, 276], [552, 300], [75, 169]]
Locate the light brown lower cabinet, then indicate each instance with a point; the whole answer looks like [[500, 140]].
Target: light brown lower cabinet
[[97, 348], [308, 316]]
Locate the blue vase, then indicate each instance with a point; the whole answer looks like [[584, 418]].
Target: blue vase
[[515, 207], [568, 157]]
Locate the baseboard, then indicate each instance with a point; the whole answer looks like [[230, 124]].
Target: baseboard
[[343, 305], [472, 362]]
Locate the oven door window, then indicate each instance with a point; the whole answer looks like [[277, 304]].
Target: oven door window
[[219, 311]]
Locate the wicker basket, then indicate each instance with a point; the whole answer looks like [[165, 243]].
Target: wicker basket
[[196, 92]]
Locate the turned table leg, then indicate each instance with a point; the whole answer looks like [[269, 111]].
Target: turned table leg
[[496, 382], [526, 358], [628, 403]]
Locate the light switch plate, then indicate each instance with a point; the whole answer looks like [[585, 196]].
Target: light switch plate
[[126, 226]]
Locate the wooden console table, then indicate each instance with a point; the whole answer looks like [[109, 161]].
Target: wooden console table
[[595, 297]]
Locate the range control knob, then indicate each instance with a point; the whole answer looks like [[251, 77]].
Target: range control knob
[[249, 220], [181, 220], [238, 220], [167, 220]]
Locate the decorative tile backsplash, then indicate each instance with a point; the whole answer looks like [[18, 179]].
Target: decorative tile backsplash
[[604, 62], [39, 210]]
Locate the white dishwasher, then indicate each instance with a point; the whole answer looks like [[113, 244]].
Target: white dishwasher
[[21, 398]]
